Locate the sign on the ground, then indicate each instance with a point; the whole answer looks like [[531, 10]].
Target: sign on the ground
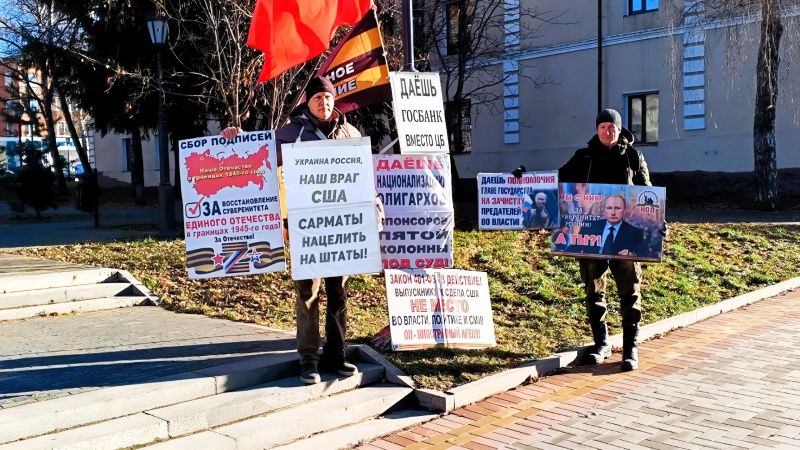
[[610, 221], [506, 202], [429, 307], [417, 197], [419, 112], [330, 200], [231, 211]]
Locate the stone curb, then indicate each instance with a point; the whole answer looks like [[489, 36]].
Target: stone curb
[[500, 382], [392, 373]]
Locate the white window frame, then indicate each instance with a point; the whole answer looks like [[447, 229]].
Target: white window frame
[[626, 122]]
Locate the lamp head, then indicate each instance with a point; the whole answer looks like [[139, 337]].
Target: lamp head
[[159, 29]]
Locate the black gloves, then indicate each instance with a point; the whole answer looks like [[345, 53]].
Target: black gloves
[[518, 171]]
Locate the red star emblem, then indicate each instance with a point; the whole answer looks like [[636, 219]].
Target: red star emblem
[[218, 259]]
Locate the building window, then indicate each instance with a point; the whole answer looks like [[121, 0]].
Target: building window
[[9, 129], [461, 128], [640, 6], [32, 77], [643, 117], [33, 105], [9, 80], [420, 18], [61, 128], [127, 154], [455, 26]]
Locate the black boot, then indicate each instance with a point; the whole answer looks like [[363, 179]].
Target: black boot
[[338, 364], [630, 356], [601, 350]]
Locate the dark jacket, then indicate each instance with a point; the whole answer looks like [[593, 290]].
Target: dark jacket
[[305, 126], [620, 164], [628, 237]]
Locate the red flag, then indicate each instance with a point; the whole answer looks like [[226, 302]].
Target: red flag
[[357, 67], [291, 32]]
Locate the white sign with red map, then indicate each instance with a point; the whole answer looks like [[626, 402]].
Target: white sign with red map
[[231, 212]]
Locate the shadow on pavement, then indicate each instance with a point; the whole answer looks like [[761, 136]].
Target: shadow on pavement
[[24, 375]]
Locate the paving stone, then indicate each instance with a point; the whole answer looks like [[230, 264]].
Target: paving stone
[[728, 382]]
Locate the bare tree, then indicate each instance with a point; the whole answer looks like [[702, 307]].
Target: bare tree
[[35, 36], [464, 41], [212, 53], [76, 126], [734, 16]]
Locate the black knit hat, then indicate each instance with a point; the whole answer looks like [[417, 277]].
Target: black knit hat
[[317, 85], [609, 115]]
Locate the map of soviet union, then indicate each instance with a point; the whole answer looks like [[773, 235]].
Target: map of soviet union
[[209, 174]]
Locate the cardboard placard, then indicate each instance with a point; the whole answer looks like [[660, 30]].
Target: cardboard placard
[[589, 211], [416, 192], [330, 201], [231, 211], [529, 202], [419, 112], [430, 307]]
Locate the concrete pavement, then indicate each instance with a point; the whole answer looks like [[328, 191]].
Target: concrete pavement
[[66, 225], [50, 357], [730, 382]]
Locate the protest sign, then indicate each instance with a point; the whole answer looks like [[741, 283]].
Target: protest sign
[[429, 307], [416, 192], [506, 202], [231, 212], [419, 112], [330, 201], [610, 221]]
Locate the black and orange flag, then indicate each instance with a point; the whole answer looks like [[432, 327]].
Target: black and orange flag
[[357, 67]]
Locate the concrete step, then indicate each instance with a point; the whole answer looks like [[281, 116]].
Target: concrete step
[[350, 436], [73, 307], [207, 440], [36, 419], [16, 283], [314, 417], [197, 415], [209, 412], [62, 413], [138, 429], [64, 294]]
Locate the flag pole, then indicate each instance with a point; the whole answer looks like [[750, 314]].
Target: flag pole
[[408, 37]]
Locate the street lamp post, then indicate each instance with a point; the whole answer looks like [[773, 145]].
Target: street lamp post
[[166, 198]]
